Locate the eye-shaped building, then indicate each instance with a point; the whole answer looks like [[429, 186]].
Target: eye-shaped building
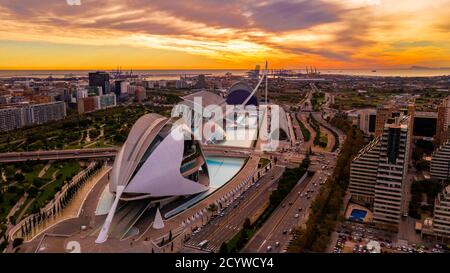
[[159, 159]]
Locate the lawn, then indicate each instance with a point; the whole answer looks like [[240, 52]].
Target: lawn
[[7, 201], [67, 170], [263, 162]]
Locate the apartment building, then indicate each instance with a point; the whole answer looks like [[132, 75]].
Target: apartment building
[[441, 218], [392, 170], [363, 173], [378, 172], [440, 159], [18, 116]]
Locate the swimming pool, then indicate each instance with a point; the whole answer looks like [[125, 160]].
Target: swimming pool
[[358, 215]]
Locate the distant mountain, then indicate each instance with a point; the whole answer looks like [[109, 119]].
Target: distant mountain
[[416, 67]]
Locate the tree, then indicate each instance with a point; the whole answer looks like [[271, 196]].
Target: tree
[[212, 208], [17, 242], [247, 224], [223, 248], [19, 177]]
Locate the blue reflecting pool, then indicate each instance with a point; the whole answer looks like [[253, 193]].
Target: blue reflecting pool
[[222, 169]]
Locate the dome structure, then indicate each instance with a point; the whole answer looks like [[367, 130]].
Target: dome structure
[[238, 94]]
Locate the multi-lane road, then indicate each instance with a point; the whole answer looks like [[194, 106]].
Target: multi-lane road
[[231, 219], [275, 234], [96, 153]]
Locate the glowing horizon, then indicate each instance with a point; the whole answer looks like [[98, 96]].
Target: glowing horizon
[[214, 34]]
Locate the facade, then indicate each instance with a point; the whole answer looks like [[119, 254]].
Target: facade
[[94, 103], [140, 94], [441, 218], [443, 121], [42, 113], [117, 87], [29, 114], [378, 172], [392, 170], [108, 101], [159, 160], [363, 172], [383, 113], [89, 104], [201, 82], [100, 79], [440, 162], [11, 118], [425, 125]]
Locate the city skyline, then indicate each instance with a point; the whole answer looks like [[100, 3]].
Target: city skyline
[[198, 34]]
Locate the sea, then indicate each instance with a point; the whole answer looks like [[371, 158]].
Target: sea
[[176, 74]]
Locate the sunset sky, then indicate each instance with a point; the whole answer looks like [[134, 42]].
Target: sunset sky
[[200, 34]]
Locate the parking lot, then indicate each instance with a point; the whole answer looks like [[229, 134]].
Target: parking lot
[[354, 238]]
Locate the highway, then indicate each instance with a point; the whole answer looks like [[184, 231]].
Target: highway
[[58, 155], [96, 153], [231, 219], [291, 213]]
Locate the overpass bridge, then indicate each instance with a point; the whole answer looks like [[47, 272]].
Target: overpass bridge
[[97, 153], [104, 153]]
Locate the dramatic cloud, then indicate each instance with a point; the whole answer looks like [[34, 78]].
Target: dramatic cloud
[[239, 32], [285, 16]]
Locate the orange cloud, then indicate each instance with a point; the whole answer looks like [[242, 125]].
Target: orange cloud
[[223, 34]]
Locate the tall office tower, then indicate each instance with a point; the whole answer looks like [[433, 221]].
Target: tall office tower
[[441, 218], [443, 121], [378, 172], [367, 121], [11, 118], [363, 173], [440, 162], [117, 87], [392, 170], [201, 82], [412, 114], [100, 79], [383, 113]]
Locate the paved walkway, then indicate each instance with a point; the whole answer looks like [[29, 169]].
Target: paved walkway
[[73, 209]]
